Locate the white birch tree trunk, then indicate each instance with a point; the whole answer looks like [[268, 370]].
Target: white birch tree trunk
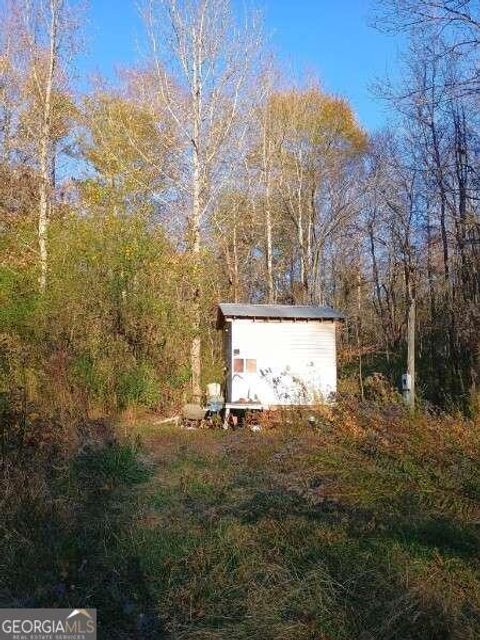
[[196, 346], [268, 214], [45, 146], [202, 61]]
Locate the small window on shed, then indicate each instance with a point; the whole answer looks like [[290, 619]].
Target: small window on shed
[[251, 366], [238, 365]]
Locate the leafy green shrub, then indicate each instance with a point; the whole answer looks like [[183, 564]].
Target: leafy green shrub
[[87, 373], [117, 462], [138, 386]]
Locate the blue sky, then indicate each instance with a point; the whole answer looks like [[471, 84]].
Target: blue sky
[[329, 38]]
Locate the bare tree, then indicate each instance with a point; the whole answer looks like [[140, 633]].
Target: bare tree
[[45, 150], [202, 59], [43, 41]]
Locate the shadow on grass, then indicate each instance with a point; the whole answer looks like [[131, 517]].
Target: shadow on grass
[[368, 561], [436, 532], [206, 556], [69, 545]]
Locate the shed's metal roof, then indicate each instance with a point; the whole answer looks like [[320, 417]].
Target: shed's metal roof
[[276, 311]]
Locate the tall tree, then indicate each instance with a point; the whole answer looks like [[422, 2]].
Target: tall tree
[[41, 45], [202, 60], [313, 141], [436, 108]]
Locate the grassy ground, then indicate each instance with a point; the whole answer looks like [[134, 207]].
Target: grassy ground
[[365, 528]]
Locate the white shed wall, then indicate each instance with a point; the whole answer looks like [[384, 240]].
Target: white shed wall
[[296, 361]]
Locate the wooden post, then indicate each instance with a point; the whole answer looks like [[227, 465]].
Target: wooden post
[[358, 331], [410, 392]]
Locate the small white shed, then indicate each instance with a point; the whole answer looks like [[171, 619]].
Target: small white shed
[[277, 355]]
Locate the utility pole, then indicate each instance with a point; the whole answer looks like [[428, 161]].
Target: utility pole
[[411, 352], [408, 379]]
